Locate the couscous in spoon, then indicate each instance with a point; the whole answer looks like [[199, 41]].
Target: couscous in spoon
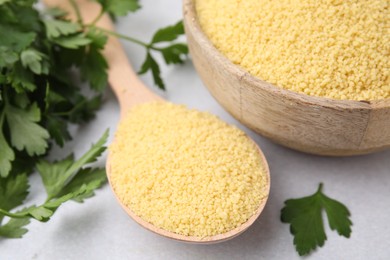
[[130, 91]]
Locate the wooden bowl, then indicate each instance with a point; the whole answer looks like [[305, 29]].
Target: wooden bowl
[[306, 123]]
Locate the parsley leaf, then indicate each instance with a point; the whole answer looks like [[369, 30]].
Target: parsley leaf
[[45, 211], [21, 79], [94, 68], [56, 28], [4, 1], [57, 175], [82, 111], [73, 41], [173, 53], [15, 40], [35, 61], [7, 155], [57, 129], [55, 12], [306, 224], [98, 38], [93, 178], [27, 19], [52, 174], [14, 228], [24, 130], [91, 155], [119, 7], [7, 56], [151, 64], [13, 191], [169, 33]]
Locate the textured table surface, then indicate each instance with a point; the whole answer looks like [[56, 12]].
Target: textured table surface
[[99, 228]]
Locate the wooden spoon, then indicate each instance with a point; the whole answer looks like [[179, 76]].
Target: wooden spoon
[[131, 91]]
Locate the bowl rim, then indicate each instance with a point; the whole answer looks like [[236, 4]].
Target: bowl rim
[[191, 21]]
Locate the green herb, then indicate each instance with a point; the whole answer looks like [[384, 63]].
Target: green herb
[[172, 54], [42, 55], [119, 7], [63, 180], [163, 42], [306, 223]]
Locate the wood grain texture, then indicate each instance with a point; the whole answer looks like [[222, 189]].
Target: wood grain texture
[[131, 91], [309, 124]]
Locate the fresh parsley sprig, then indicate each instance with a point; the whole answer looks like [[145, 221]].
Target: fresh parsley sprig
[[164, 41], [172, 52], [63, 180], [42, 57], [306, 224]]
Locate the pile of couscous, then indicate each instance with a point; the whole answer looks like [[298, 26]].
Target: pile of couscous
[[338, 49], [186, 171]]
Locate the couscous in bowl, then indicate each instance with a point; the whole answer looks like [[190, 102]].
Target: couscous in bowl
[[311, 124]]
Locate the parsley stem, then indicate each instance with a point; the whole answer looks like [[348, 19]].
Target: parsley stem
[[320, 187], [5, 95], [128, 38], [67, 113], [77, 11], [12, 215], [97, 18], [2, 115]]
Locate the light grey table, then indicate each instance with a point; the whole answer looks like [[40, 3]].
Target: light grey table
[[99, 228]]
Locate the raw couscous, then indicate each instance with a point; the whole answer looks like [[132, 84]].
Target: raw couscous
[[186, 171], [330, 48]]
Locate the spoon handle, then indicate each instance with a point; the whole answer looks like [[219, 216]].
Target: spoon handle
[[122, 78]]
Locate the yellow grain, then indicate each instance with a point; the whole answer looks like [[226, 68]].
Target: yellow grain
[[330, 48], [186, 171]]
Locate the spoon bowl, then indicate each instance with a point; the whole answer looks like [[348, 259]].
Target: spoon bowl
[[130, 91], [193, 239]]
